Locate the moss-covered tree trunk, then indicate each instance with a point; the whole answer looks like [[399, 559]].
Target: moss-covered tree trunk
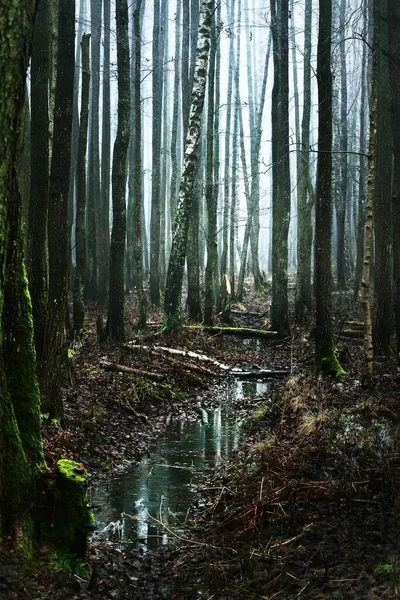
[[19, 398], [173, 292], [50, 367], [325, 358], [115, 319], [80, 225]]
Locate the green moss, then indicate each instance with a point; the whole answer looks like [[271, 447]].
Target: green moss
[[172, 322], [243, 331], [263, 414], [387, 569], [72, 517], [326, 361], [64, 562]]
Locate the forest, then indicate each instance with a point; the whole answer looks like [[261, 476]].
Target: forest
[[199, 299]]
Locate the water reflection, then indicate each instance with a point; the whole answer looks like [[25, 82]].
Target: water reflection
[[153, 498]]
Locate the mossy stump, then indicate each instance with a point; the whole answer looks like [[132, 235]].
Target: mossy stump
[[72, 517]]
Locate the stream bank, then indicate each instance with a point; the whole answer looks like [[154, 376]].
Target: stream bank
[[307, 506]]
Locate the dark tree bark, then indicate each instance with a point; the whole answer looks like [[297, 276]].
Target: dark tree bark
[[80, 228], [39, 193], [75, 124], [115, 320], [280, 167], [58, 233], [156, 158], [383, 290], [175, 116], [304, 202], [104, 221], [394, 50], [325, 358], [138, 250], [93, 203], [211, 272], [341, 200], [227, 163]]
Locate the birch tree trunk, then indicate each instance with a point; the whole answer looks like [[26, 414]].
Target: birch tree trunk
[[362, 165], [173, 291], [369, 222]]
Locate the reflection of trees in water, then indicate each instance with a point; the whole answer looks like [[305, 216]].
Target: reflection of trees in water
[[162, 487]]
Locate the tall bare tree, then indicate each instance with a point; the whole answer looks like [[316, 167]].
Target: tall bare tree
[[58, 231], [325, 357], [115, 318], [280, 166], [39, 194]]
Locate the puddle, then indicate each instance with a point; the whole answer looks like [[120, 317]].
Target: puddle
[[147, 505]]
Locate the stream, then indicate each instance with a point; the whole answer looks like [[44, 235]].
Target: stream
[[148, 503]]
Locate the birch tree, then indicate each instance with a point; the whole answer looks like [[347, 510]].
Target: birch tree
[[173, 291]]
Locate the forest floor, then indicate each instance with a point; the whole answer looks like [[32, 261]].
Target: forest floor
[[308, 505]]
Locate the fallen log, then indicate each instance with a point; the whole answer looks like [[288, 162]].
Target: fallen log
[[109, 366], [260, 373], [160, 350], [352, 333], [243, 331], [176, 352]]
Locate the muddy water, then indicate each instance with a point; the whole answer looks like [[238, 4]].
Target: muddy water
[[147, 505]]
